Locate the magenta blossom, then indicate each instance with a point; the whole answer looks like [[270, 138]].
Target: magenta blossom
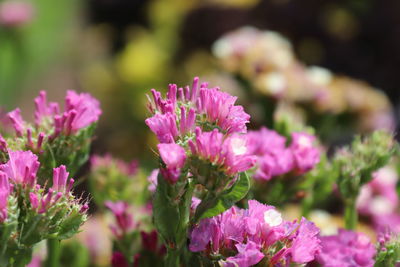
[[346, 249], [60, 180], [248, 255], [379, 196], [124, 218], [305, 154], [86, 107], [17, 122], [164, 126], [81, 110], [15, 13], [197, 102], [254, 234], [174, 157], [230, 153], [4, 193], [21, 167], [273, 158], [220, 108], [44, 110]]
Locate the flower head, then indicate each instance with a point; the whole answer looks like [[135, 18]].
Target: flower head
[[86, 107], [174, 157], [60, 180], [254, 234], [192, 106], [346, 249], [230, 153], [21, 167], [305, 154]]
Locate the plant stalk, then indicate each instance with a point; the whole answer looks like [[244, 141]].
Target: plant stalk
[[350, 214], [53, 253]]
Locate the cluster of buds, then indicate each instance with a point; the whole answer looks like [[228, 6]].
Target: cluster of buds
[[357, 163], [56, 137], [112, 179], [30, 213], [388, 249], [266, 60], [257, 235], [275, 159]]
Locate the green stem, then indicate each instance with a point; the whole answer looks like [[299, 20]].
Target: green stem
[[173, 258], [350, 214], [53, 253]]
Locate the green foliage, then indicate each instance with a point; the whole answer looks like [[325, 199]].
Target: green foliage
[[215, 204], [71, 151]]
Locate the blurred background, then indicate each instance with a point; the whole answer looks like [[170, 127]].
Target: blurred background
[[332, 65]]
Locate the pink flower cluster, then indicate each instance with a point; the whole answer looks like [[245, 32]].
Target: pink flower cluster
[[197, 109], [346, 249], [21, 170], [81, 110], [379, 200], [255, 234], [231, 152], [183, 108], [274, 158]]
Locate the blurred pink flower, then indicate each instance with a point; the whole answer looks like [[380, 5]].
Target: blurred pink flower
[[15, 13]]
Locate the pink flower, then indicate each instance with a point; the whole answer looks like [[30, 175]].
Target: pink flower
[[44, 110], [152, 179], [164, 126], [21, 167], [86, 108], [231, 153], [17, 121], [379, 196], [265, 141], [4, 193], [124, 219], [249, 254], [15, 13], [35, 262], [118, 260], [220, 108], [305, 154], [174, 157], [346, 249], [60, 180], [248, 234], [273, 158], [306, 244], [208, 105]]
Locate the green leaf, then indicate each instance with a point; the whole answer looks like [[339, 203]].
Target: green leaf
[[165, 212], [213, 205]]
